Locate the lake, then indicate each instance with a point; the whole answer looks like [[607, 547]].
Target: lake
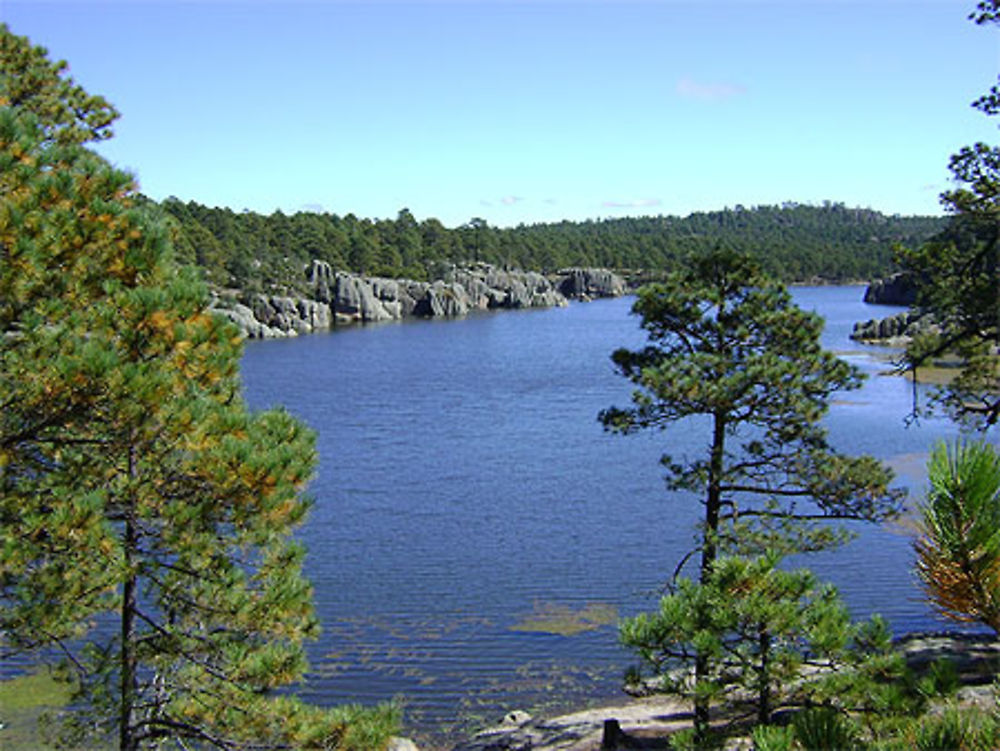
[[468, 504]]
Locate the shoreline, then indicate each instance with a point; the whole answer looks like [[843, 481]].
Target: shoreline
[[648, 721], [329, 299]]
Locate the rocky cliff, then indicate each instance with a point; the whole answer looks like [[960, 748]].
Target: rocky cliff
[[331, 298], [898, 289], [586, 284]]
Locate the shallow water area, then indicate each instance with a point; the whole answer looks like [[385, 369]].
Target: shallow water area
[[466, 489]]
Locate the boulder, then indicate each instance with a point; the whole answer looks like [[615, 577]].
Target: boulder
[[443, 300], [515, 719], [588, 283], [386, 290], [320, 276], [898, 327], [488, 287], [266, 317], [262, 309], [549, 299], [244, 319], [476, 289], [354, 299], [518, 295], [286, 316], [319, 271], [316, 314], [401, 744], [410, 293], [898, 289]]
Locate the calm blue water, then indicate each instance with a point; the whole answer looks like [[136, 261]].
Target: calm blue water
[[465, 484]]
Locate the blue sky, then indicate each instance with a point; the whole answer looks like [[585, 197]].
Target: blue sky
[[527, 112]]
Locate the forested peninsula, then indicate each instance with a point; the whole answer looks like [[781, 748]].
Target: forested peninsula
[[282, 274]]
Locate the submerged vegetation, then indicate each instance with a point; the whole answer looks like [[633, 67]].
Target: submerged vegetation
[[563, 620]]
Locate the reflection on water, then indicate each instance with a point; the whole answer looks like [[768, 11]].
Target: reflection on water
[[464, 478]]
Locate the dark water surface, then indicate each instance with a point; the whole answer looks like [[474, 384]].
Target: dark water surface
[[465, 486]]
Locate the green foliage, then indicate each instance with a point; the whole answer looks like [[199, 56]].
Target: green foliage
[[946, 727], [683, 740], [362, 728], [824, 729], [42, 688], [772, 738], [868, 699], [956, 730], [30, 82], [958, 271], [941, 680], [756, 624], [726, 344], [869, 676], [795, 242], [986, 10], [134, 482], [958, 551]]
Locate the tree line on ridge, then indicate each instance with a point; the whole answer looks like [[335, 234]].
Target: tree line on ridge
[[794, 242]]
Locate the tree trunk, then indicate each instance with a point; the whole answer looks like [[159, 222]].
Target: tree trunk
[[613, 738], [764, 679], [709, 551], [713, 499], [126, 715], [128, 664]]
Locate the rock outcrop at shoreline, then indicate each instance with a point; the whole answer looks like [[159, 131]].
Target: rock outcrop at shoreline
[[586, 284], [648, 721], [895, 330], [339, 298], [898, 289]]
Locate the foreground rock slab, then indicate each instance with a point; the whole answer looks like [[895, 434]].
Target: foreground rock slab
[[397, 743], [647, 722]]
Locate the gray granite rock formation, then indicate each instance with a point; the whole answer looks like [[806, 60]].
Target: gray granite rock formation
[[896, 329], [586, 284], [335, 298]]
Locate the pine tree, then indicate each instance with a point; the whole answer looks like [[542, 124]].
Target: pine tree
[[958, 274], [30, 82], [755, 620], [732, 356], [958, 550], [136, 488]]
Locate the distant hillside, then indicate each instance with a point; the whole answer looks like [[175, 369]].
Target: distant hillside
[[794, 241]]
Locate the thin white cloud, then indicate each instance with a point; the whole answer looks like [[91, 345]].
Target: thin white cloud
[[641, 203], [315, 208], [510, 200], [712, 91]]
